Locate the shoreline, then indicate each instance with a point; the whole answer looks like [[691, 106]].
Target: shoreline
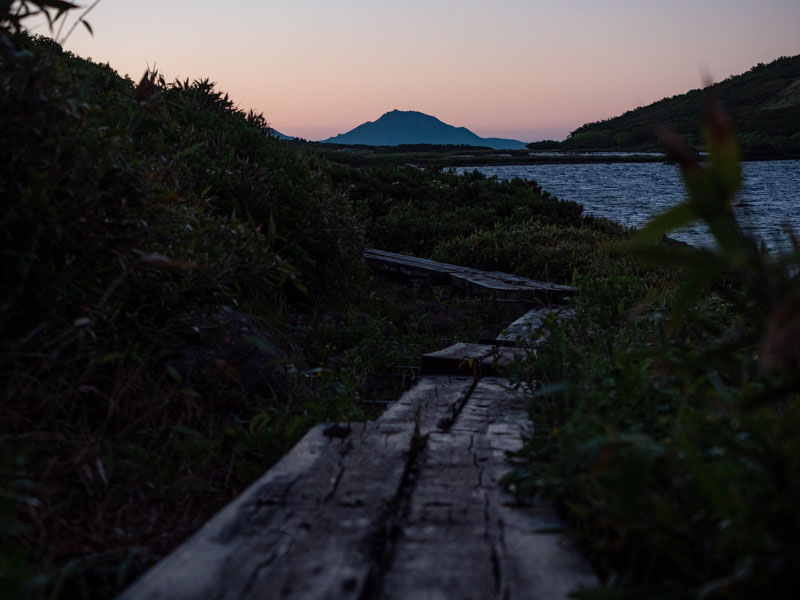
[[444, 157]]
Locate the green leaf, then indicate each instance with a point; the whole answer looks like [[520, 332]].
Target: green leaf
[[677, 216], [724, 160], [173, 373], [666, 256], [107, 358], [699, 185], [260, 420], [726, 232]]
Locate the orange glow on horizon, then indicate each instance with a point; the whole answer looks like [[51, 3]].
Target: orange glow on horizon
[[510, 68]]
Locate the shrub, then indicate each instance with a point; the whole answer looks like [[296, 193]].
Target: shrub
[[533, 249], [667, 423], [135, 219]]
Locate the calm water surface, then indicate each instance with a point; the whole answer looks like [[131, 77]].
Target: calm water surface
[[632, 193]]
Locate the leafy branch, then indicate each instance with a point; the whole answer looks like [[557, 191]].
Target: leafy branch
[[13, 12]]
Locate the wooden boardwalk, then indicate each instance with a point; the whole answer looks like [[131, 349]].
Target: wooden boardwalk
[[500, 285], [407, 506], [525, 331]]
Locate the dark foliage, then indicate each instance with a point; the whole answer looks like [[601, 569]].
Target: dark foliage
[[764, 104], [668, 417], [412, 210], [133, 217]]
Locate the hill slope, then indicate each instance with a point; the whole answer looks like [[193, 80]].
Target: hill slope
[[763, 103], [411, 127], [281, 136]]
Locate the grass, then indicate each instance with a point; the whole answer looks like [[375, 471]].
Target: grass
[[439, 157], [667, 410]]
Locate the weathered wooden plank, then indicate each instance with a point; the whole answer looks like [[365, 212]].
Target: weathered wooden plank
[[431, 404], [497, 361], [304, 530], [413, 262], [534, 562], [500, 284], [525, 331], [511, 279], [460, 537], [464, 358], [442, 549], [410, 266]]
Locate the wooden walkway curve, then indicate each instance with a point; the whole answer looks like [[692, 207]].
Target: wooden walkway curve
[[404, 507], [495, 283]]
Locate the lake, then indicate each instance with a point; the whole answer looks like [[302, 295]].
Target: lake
[[631, 193]]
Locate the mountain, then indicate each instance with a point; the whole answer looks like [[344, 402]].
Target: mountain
[[277, 134], [763, 104], [411, 127]]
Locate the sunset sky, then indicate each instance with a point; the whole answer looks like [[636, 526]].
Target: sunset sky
[[509, 68]]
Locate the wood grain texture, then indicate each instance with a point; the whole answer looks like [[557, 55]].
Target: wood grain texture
[[462, 537], [501, 285], [526, 331], [464, 359], [304, 530]]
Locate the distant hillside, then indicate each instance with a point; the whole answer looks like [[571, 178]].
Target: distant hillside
[[277, 134], [411, 127], [763, 103]]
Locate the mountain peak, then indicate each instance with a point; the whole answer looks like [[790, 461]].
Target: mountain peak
[[397, 127]]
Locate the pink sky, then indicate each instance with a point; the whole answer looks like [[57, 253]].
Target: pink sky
[[507, 68]]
